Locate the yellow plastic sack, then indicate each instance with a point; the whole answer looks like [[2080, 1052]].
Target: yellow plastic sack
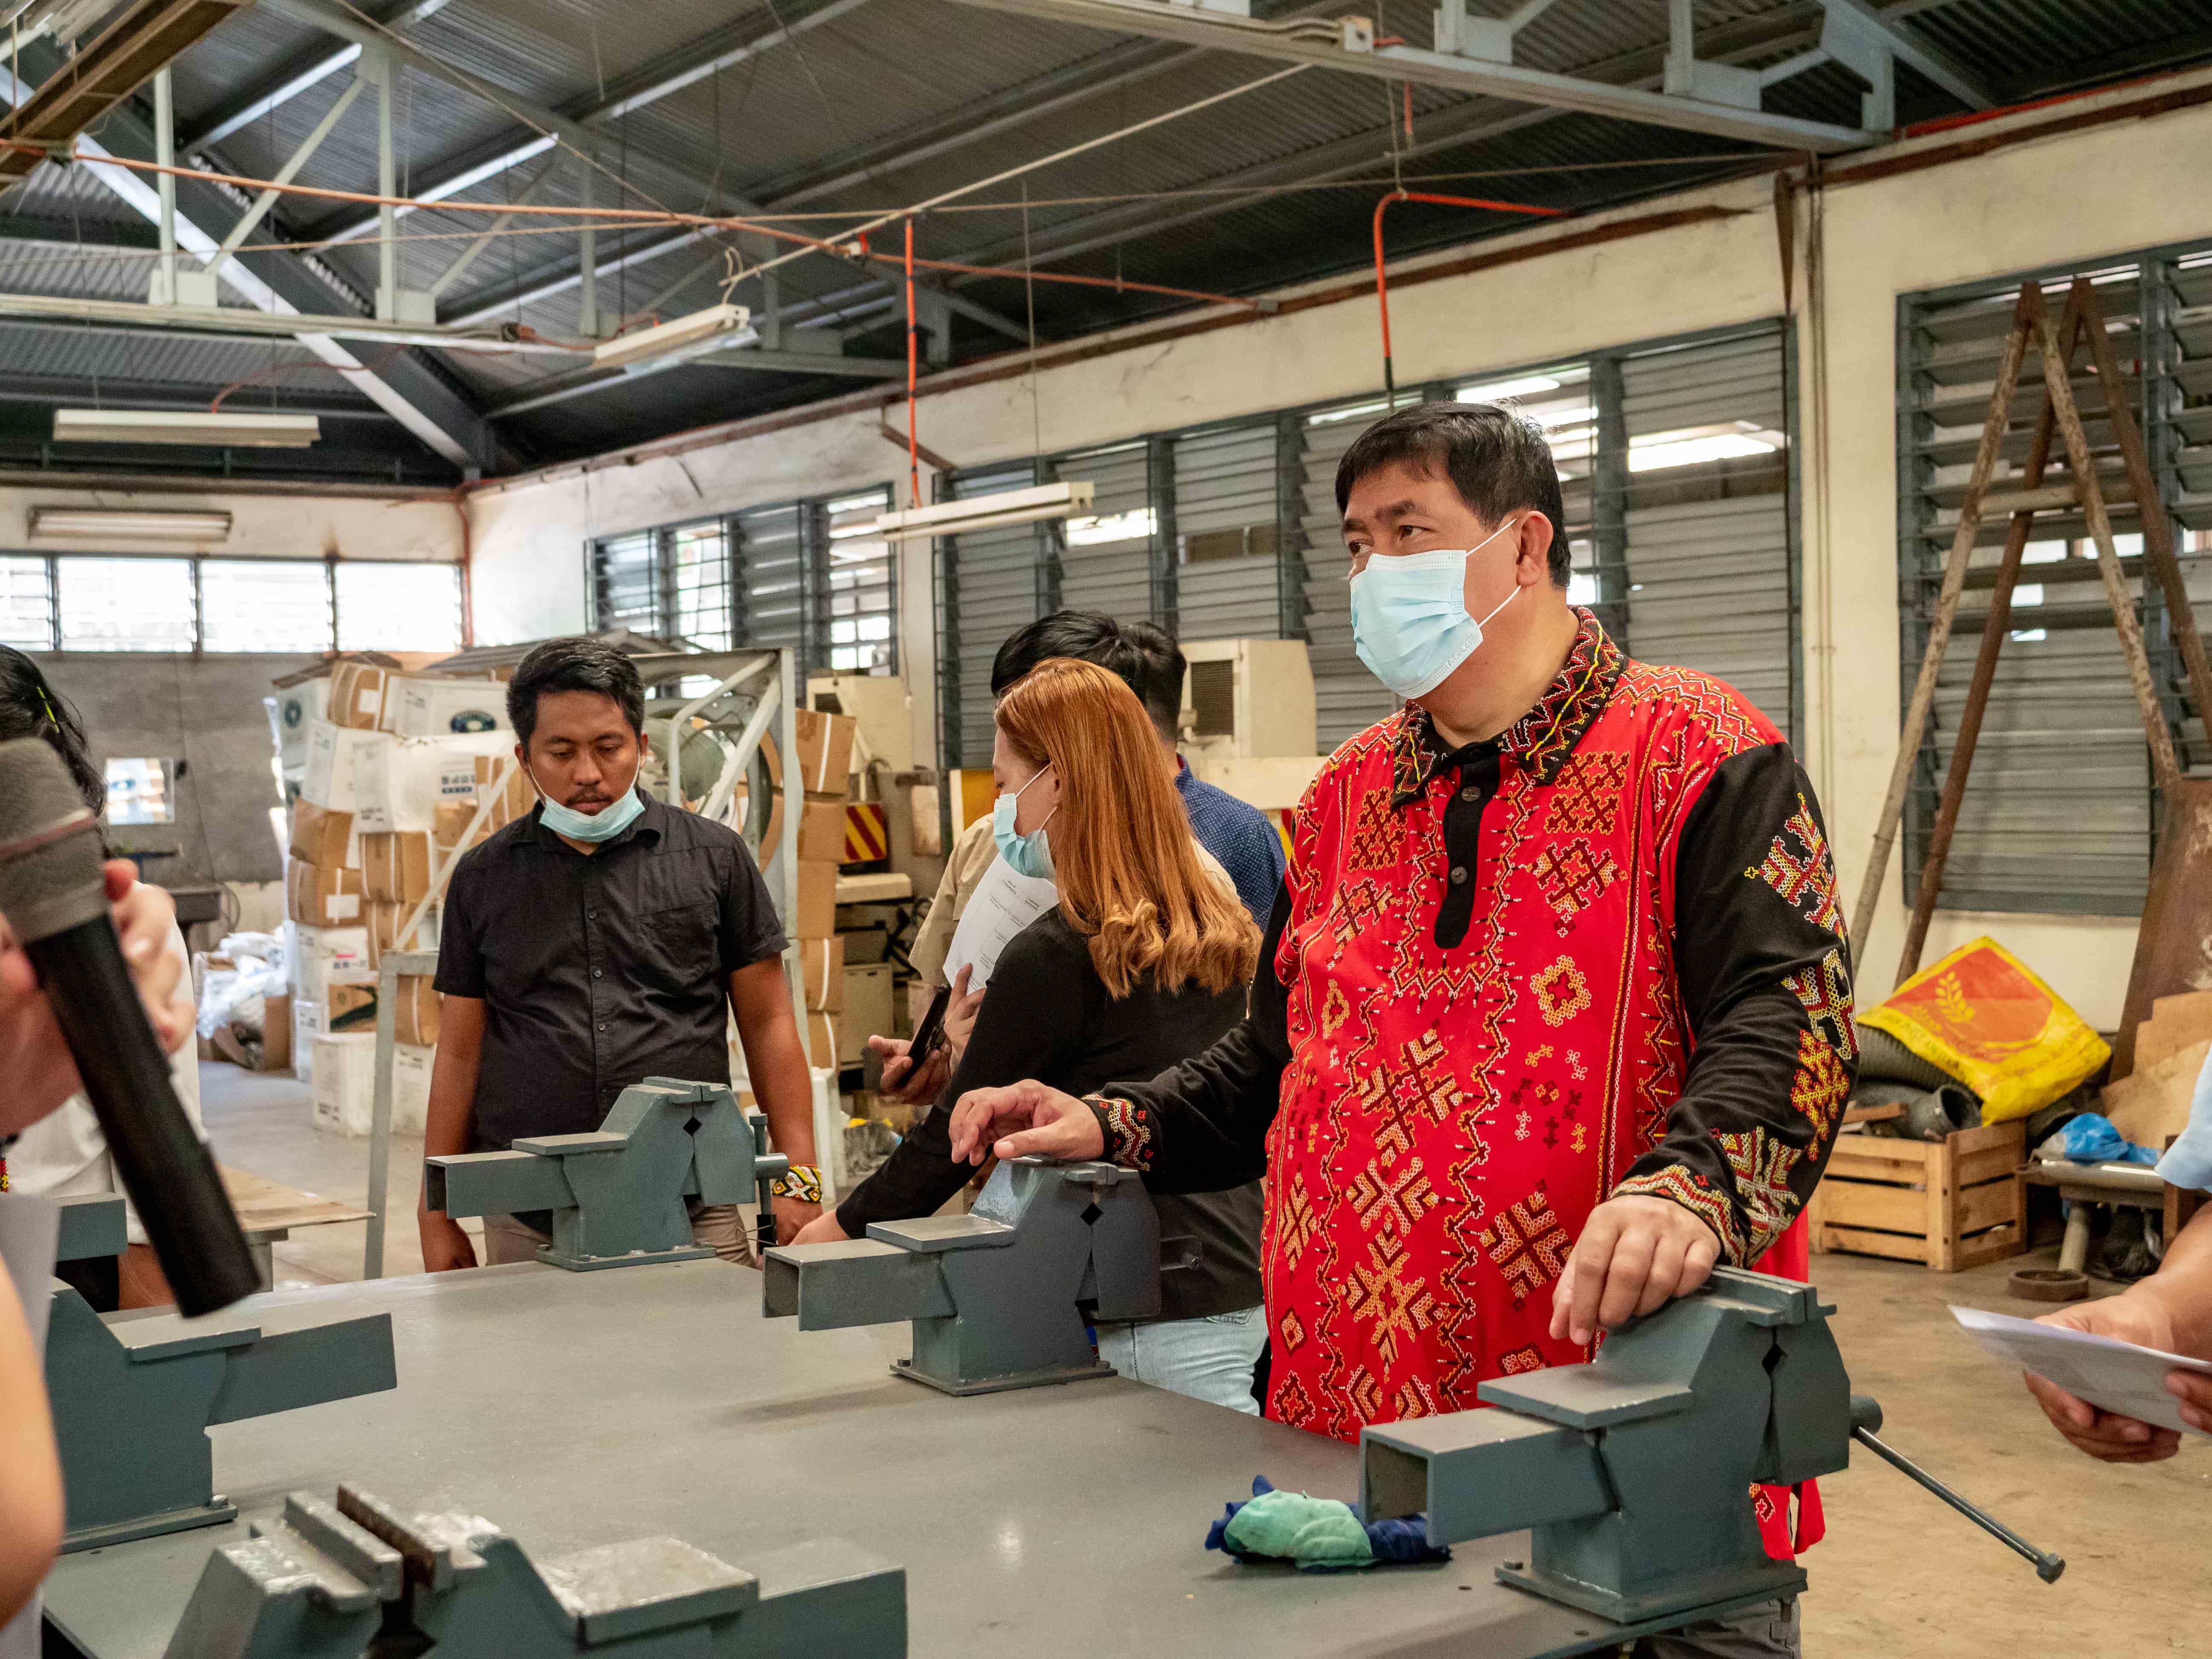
[[1981, 1017]]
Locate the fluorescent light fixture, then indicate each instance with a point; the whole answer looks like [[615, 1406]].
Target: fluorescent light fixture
[[1496, 389], [1136, 525], [103, 524], [1055, 501], [222, 428], [1693, 446], [699, 326]]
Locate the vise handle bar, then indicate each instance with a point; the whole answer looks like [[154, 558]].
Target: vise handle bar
[[1866, 1418]]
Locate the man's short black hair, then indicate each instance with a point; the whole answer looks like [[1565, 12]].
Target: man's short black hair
[[1144, 656], [574, 664], [1497, 460]]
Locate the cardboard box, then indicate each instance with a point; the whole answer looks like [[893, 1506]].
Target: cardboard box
[[451, 821], [384, 920], [412, 1065], [319, 895], [869, 1010], [821, 1040], [414, 1011], [334, 754], [349, 1007], [322, 837], [290, 712], [356, 696], [822, 968], [345, 1086], [400, 783], [277, 1033], [316, 953], [822, 832], [817, 900], [417, 707], [395, 866], [307, 1026], [344, 1076], [825, 752]]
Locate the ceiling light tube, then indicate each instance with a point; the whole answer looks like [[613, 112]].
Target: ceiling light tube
[[218, 427], [1005, 506], [700, 326], [106, 524]]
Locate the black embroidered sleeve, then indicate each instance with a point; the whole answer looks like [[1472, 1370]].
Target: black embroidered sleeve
[[1765, 977], [1202, 1127]]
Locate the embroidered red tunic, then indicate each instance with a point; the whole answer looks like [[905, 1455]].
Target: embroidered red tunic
[[1601, 955]]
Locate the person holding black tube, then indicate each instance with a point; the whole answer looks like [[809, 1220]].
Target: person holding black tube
[[42, 1078], [65, 1153]]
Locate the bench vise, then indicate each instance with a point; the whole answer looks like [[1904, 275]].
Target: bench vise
[[335, 1581], [1633, 1473], [131, 1419], [992, 1293], [616, 1193]]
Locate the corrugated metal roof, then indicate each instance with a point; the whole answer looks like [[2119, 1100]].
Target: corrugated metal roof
[[888, 81]]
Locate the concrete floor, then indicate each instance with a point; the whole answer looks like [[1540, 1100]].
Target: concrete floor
[[1900, 1574]]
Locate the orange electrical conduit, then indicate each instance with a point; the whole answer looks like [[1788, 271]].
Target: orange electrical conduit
[[1382, 281]]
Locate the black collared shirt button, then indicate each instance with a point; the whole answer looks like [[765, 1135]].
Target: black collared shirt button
[[603, 1025], [1459, 875], [598, 973]]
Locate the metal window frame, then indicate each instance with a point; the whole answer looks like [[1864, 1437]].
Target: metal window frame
[[1916, 585], [812, 514]]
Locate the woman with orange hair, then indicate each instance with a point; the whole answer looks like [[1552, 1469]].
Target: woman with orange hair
[[1144, 962]]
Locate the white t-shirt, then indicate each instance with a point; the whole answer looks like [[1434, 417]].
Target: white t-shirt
[[64, 1154]]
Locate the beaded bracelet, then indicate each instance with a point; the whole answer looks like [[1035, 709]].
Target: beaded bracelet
[[802, 1181]]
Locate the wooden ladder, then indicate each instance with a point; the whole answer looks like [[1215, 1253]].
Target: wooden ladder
[[2081, 322]]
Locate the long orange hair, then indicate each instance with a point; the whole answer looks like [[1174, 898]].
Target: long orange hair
[[1129, 875]]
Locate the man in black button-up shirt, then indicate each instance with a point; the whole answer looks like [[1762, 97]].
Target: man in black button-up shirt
[[595, 943]]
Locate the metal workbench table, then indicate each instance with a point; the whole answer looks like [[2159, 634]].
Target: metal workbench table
[[579, 1409]]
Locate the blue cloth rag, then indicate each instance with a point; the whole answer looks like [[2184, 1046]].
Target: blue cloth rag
[[1315, 1533], [2093, 1139]]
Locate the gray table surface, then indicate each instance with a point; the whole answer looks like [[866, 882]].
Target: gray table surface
[[579, 1409]]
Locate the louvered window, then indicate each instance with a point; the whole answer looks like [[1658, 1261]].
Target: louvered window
[[2060, 810]]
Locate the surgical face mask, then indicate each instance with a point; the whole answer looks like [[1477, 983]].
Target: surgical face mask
[[605, 824], [1409, 617], [1026, 855]]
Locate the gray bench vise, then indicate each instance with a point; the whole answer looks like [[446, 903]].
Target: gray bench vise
[[992, 1293], [616, 1193], [131, 1418], [1633, 1472], [333, 1581]]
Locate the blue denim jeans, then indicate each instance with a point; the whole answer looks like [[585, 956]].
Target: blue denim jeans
[[1210, 1359]]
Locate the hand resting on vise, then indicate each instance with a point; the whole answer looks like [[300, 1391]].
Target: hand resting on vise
[[1025, 1119], [33, 1058]]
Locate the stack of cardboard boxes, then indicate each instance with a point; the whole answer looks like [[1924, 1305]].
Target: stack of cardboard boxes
[[825, 763], [388, 769]]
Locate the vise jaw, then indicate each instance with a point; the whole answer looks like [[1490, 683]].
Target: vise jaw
[[617, 1193], [332, 1582], [131, 1416], [992, 1293], [1634, 1472]]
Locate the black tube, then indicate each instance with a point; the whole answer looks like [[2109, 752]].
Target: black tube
[[167, 1170]]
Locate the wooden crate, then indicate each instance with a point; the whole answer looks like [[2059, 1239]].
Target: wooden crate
[[1949, 1204]]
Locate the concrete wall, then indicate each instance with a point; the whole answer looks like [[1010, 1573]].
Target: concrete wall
[[2078, 196], [205, 710]]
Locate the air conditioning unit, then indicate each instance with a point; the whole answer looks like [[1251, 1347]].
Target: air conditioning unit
[[1246, 700]]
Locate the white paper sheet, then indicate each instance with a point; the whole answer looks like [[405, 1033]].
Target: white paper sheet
[[2110, 1375], [1002, 905]]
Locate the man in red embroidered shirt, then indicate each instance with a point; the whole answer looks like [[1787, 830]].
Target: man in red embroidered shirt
[[1559, 1008]]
